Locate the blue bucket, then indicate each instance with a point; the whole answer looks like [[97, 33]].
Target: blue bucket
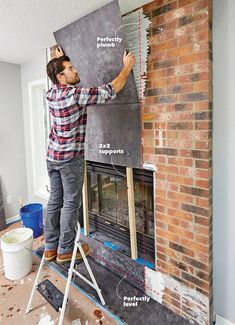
[[31, 217]]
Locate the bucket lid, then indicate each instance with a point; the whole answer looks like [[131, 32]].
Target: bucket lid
[[16, 236]]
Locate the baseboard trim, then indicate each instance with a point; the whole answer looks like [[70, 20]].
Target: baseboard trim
[[222, 321], [11, 220]]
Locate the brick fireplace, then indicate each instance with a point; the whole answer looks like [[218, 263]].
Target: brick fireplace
[[177, 140]]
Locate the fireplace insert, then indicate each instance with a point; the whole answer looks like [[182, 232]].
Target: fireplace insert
[[108, 204]]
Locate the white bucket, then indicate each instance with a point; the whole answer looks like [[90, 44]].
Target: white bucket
[[16, 247]]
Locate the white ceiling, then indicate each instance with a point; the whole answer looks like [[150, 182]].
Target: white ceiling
[[27, 26]]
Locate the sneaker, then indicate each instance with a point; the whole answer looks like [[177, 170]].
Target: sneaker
[[66, 257], [50, 254]]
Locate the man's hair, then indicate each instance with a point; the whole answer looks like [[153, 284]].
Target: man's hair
[[55, 66]]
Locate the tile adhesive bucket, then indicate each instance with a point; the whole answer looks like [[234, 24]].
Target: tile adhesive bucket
[[32, 217], [16, 247]]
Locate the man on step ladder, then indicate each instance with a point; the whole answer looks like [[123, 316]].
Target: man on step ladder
[[65, 162], [68, 103]]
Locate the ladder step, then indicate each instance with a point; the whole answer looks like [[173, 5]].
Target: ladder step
[[52, 294]]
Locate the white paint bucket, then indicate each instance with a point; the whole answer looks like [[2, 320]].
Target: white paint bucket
[[16, 247]]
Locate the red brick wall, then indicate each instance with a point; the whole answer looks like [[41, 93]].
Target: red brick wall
[[177, 138]]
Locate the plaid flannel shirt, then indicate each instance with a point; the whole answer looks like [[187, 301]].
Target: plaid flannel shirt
[[68, 107]]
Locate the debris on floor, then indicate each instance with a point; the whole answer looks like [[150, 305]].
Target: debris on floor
[[45, 319]]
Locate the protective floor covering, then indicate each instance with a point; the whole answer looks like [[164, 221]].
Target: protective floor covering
[[151, 312]]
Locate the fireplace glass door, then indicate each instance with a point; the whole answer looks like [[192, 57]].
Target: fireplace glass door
[[107, 197]]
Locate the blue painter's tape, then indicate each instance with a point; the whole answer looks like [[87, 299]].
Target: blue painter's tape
[[89, 234], [146, 263], [112, 246]]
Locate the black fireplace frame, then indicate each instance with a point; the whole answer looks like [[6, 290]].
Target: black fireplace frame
[[145, 243]]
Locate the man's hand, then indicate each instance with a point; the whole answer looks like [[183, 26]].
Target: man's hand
[[59, 52], [128, 60], [119, 82]]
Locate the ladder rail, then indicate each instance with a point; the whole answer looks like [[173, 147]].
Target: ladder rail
[[35, 285], [84, 278], [91, 273], [70, 274]]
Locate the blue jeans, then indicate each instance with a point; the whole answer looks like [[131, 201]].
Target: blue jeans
[[66, 180]]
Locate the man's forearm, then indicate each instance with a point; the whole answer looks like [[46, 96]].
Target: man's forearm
[[119, 82]]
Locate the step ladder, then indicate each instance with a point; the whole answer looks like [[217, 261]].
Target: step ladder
[[54, 296]]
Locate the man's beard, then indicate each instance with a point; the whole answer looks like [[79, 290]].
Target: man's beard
[[77, 81]]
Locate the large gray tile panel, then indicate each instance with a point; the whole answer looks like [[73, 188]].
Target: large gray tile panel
[[119, 126], [98, 65], [116, 122]]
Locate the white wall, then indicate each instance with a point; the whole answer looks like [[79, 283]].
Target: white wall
[[31, 71], [224, 158], [12, 146]]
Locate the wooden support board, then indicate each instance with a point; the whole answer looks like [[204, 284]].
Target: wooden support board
[[85, 203], [131, 209]]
